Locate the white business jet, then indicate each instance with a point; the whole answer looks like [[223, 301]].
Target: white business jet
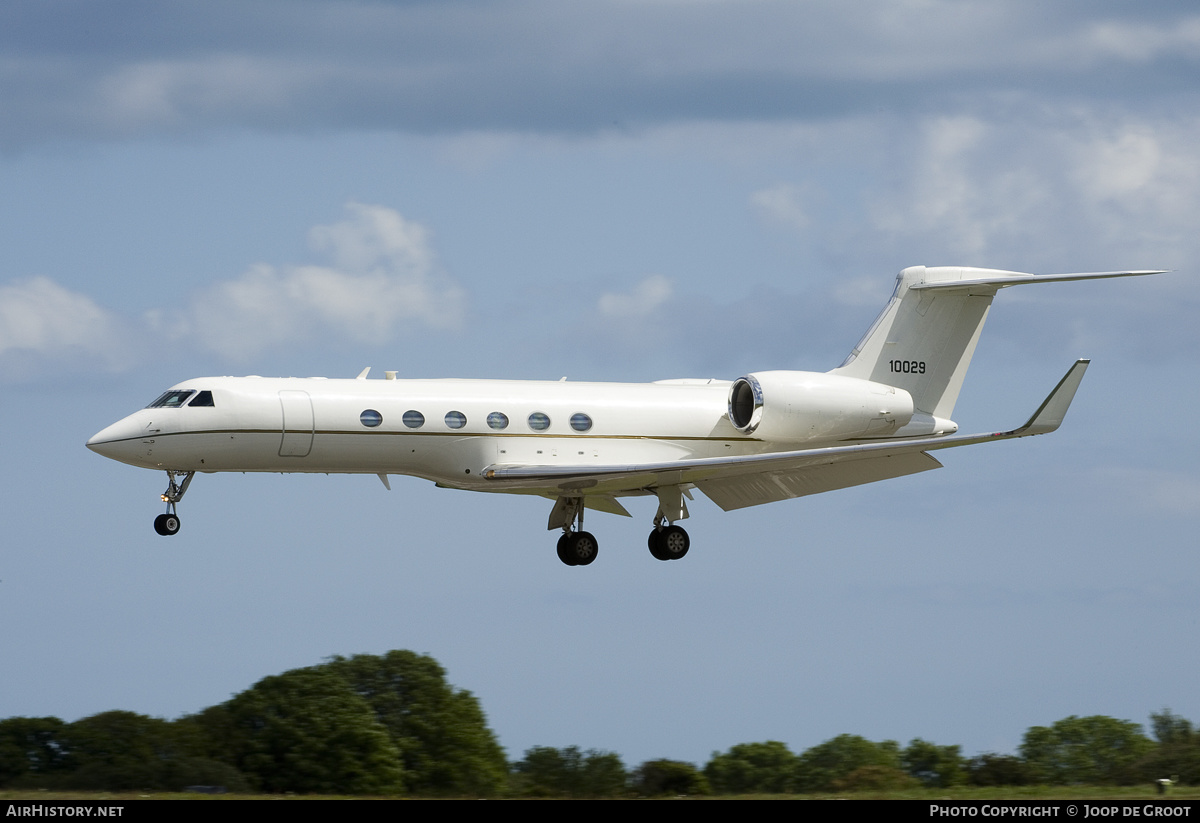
[[768, 436]]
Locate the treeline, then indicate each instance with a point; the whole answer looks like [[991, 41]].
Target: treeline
[[1074, 751], [392, 725], [362, 725]]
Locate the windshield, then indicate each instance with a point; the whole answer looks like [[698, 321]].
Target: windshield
[[171, 399]]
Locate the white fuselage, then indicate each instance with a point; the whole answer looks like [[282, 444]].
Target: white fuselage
[[321, 425], [369, 426]]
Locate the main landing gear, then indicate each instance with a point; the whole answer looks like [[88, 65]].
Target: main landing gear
[[168, 524], [576, 547], [669, 542], [579, 548]]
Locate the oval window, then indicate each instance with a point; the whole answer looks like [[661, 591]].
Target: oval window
[[370, 418], [539, 422], [580, 422], [414, 419], [456, 419], [498, 420]]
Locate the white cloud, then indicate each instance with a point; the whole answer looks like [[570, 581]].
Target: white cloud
[[1141, 43], [1012, 193], [643, 301], [1140, 179], [172, 93], [781, 204], [383, 278], [969, 187], [525, 66], [41, 317]]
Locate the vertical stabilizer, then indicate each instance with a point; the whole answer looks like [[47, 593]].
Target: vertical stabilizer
[[925, 337]]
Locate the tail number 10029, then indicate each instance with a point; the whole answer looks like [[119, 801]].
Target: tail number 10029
[[907, 366]]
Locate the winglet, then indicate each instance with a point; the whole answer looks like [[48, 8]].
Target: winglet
[[1050, 414]]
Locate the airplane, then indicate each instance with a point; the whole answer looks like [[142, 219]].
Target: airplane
[[764, 437]]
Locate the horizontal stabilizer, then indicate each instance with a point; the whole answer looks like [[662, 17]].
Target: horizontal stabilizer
[[1003, 279]]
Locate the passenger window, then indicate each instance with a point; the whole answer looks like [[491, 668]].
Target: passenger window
[[580, 422], [203, 398], [539, 422], [370, 418], [456, 419], [498, 420], [413, 419]]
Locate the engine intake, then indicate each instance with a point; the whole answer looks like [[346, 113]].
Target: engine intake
[[792, 406]]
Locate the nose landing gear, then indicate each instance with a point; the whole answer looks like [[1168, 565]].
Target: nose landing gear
[[168, 524]]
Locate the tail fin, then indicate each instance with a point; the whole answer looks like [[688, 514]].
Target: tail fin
[[924, 338]]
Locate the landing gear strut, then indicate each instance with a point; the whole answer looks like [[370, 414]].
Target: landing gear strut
[[168, 524], [577, 547]]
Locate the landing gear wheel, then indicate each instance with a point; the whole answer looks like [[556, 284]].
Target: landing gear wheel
[[674, 542], [655, 544], [670, 543], [563, 552], [580, 547], [166, 524]]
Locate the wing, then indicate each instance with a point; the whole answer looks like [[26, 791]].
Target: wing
[[749, 480]]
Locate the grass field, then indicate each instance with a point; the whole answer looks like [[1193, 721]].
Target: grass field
[[1102, 793]]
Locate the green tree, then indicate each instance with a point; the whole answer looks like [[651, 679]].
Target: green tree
[[1177, 754], [549, 772], [1094, 750], [998, 770], [818, 767], [875, 779], [937, 766], [1170, 728], [306, 731], [746, 768], [31, 748], [121, 750], [672, 777], [440, 732]]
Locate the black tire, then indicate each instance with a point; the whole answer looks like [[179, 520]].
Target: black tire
[[655, 544], [564, 553], [583, 548], [166, 524], [674, 542]]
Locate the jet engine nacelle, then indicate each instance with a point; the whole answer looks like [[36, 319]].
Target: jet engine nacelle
[[796, 406]]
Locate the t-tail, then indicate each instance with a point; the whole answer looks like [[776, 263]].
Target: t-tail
[[924, 338]]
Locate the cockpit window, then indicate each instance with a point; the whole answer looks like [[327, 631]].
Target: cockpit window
[[203, 398], [172, 399]]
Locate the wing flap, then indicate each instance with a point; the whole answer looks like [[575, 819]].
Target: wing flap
[[753, 490]]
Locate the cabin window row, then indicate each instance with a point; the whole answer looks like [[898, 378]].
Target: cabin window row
[[413, 419]]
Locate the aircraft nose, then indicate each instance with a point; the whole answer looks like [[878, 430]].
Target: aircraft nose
[[120, 441]]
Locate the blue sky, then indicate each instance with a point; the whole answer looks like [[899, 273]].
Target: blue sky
[[629, 190]]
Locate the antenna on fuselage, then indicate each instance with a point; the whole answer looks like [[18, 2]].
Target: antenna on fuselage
[[362, 375]]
